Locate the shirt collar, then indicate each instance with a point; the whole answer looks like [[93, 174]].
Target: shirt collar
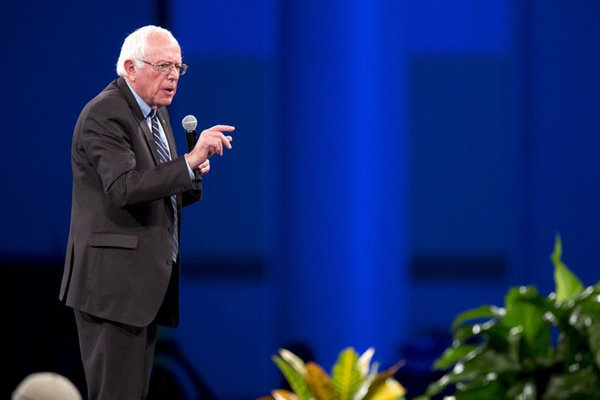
[[147, 111]]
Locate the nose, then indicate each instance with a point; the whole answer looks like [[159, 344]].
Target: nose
[[173, 73]]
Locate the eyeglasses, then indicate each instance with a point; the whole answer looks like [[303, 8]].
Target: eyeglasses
[[165, 68]]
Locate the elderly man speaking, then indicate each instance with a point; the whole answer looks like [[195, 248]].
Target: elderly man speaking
[[121, 273]]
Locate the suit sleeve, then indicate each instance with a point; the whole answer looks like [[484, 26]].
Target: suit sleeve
[[193, 195], [107, 144]]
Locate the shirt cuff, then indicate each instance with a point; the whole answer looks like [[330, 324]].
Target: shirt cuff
[[189, 169]]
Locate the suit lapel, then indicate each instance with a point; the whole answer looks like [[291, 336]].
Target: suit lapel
[[163, 116], [141, 119], [164, 120], [149, 139]]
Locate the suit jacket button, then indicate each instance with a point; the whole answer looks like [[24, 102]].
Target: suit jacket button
[[169, 262], [170, 229]]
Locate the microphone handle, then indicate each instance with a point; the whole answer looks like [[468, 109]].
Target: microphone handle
[[191, 139]]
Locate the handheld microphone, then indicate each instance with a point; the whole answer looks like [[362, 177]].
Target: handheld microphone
[[189, 123]]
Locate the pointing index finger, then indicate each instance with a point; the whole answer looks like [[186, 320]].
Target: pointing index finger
[[223, 128]]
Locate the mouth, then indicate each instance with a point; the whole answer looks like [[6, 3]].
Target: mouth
[[169, 91]]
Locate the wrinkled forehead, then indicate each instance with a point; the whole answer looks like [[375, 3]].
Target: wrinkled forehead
[[164, 47]]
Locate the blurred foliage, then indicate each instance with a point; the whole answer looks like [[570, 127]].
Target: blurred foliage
[[535, 347], [352, 378]]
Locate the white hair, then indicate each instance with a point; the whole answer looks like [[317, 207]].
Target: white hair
[[134, 46]]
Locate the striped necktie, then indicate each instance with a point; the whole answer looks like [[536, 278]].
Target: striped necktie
[[163, 156]]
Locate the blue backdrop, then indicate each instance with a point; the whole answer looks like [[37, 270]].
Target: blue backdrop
[[394, 163]]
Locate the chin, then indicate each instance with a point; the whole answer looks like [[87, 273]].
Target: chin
[[164, 102]]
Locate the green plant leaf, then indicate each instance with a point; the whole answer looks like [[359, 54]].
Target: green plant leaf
[[494, 337], [516, 388], [525, 310], [514, 338], [578, 384], [485, 362], [523, 391], [294, 361], [346, 377], [467, 333], [364, 360], [477, 367], [296, 381], [567, 284], [439, 385], [545, 348], [485, 311], [481, 390], [521, 294], [452, 355], [363, 389], [593, 331]]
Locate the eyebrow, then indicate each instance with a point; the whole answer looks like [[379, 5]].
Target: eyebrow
[[167, 62]]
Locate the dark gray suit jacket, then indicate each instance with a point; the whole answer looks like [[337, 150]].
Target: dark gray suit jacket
[[118, 263]]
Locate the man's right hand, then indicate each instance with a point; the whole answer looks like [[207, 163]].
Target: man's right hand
[[210, 142]]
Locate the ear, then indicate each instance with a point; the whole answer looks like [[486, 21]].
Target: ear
[[130, 69]]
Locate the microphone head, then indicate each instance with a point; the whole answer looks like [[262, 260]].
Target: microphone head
[[189, 123]]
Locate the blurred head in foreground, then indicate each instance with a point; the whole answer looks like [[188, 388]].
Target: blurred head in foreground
[[46, 386]]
